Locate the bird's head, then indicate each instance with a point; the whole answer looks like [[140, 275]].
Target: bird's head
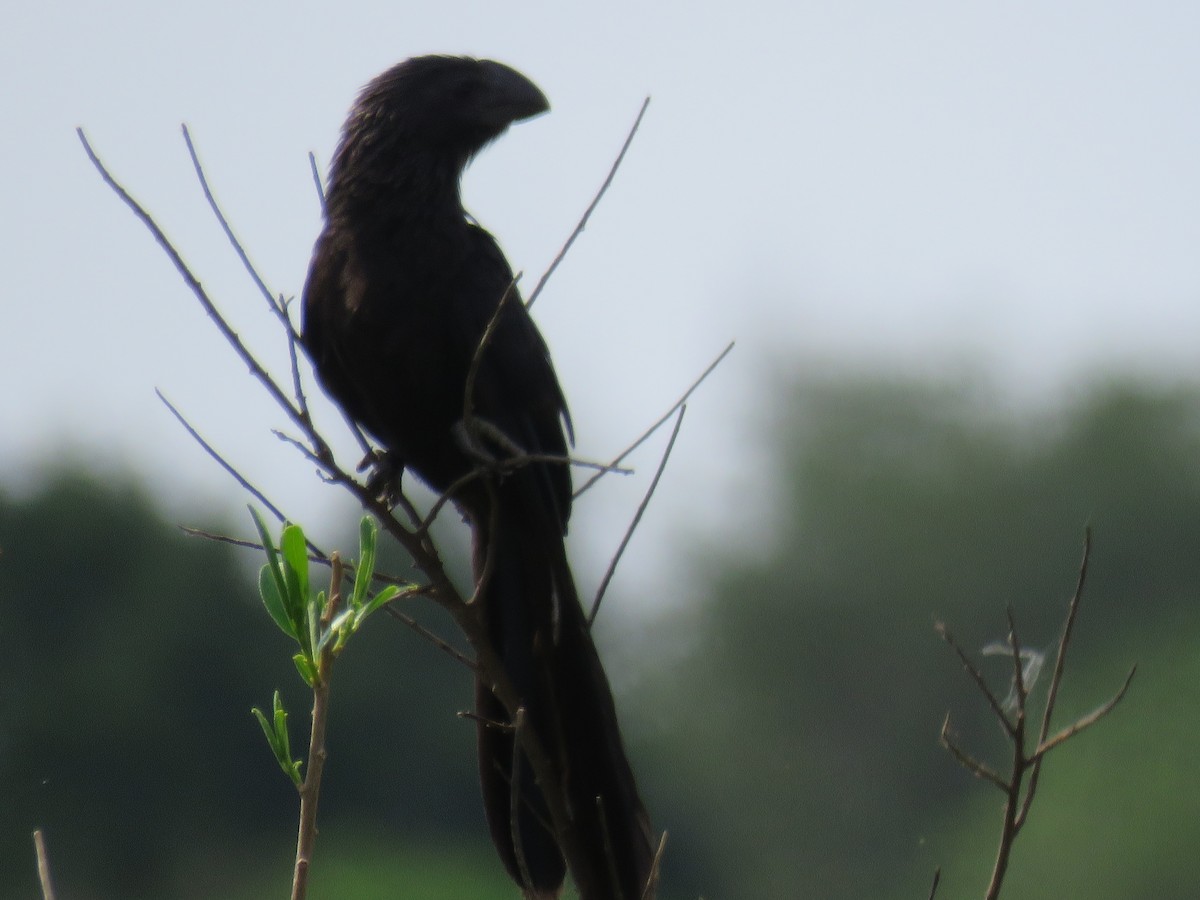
[[447, 104]]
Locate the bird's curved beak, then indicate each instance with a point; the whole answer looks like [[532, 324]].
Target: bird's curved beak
[[514, 97]]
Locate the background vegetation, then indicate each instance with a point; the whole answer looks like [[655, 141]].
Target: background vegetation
[[784, 719]]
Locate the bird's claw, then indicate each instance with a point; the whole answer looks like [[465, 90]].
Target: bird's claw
[[386, 469]]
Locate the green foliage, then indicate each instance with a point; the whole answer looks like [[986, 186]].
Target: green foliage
[[788, 720], [276, 731], [320, 632], [807, 687], [131, 655]]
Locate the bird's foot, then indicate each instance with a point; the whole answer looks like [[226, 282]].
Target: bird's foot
[[386, 469]]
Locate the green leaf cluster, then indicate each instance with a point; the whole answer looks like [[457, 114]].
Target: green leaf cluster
[[320, 631]]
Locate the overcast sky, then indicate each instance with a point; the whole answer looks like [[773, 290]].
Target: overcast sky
[[1009, 187]]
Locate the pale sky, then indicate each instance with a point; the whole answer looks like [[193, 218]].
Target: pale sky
[[1013, 188]]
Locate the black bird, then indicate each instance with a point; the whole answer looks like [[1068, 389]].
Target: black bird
[[402, 286]]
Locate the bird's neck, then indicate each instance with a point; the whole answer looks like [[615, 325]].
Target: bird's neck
[[401, 187]]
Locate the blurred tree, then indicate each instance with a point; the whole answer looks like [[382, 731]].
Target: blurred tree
[[794, 710], [132, 655], [806, 688]]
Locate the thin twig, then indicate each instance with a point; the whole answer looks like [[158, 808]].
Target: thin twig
[[221, 461], [1014, 643], [976, 676], [587, 213], [299, 445], [937, 877], [276, 306], [968, 762], [477, 358], [316, 174], [201, 295], [232, 541], [43, 865], [310, 788], [637, 518], [489, 549], [294, 341], [661, 420], [651, 886], [408, 588], [1060, 659], [1059, 665], [1086, 722], [1011, 823], [1025, 765], [443, 645]]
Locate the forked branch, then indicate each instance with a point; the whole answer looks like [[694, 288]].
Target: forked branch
[[1020, 784]]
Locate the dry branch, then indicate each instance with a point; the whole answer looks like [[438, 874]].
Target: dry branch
[[1020, 784]]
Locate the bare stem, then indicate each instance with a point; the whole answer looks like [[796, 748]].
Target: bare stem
[[310, 789], [1026, 765], [43, 865], [675, 407], [637, 517], [587, 213]]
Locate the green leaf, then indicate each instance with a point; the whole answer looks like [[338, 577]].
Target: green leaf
[[276, 569], [266, 727], [295, 571], [295, 553], [276, 732], [340, 629], [368, 533], [268, 589], [281, 729], [306, 667], [314, 625], [383, 597]]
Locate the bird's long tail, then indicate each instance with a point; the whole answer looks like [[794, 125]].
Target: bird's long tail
[[539, 628]]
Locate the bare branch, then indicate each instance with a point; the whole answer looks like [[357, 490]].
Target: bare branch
[[937, 877], [310, 788], [424, 632], [1086, 722], [277, 307], [661, 420], [637, 517], [43, 865], [316, 174], [1056, 679], [225, 539], [587, 213], [1060, 660], [968, 762], [976, 676], [294, 341], [651, 887], [484, 578], [221, 461], [477, 359], [201, 295], [1014, 642]]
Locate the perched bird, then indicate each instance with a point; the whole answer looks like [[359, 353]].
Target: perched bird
[[402, 285]]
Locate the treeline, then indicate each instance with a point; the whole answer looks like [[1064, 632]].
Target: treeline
[[785, 724]]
